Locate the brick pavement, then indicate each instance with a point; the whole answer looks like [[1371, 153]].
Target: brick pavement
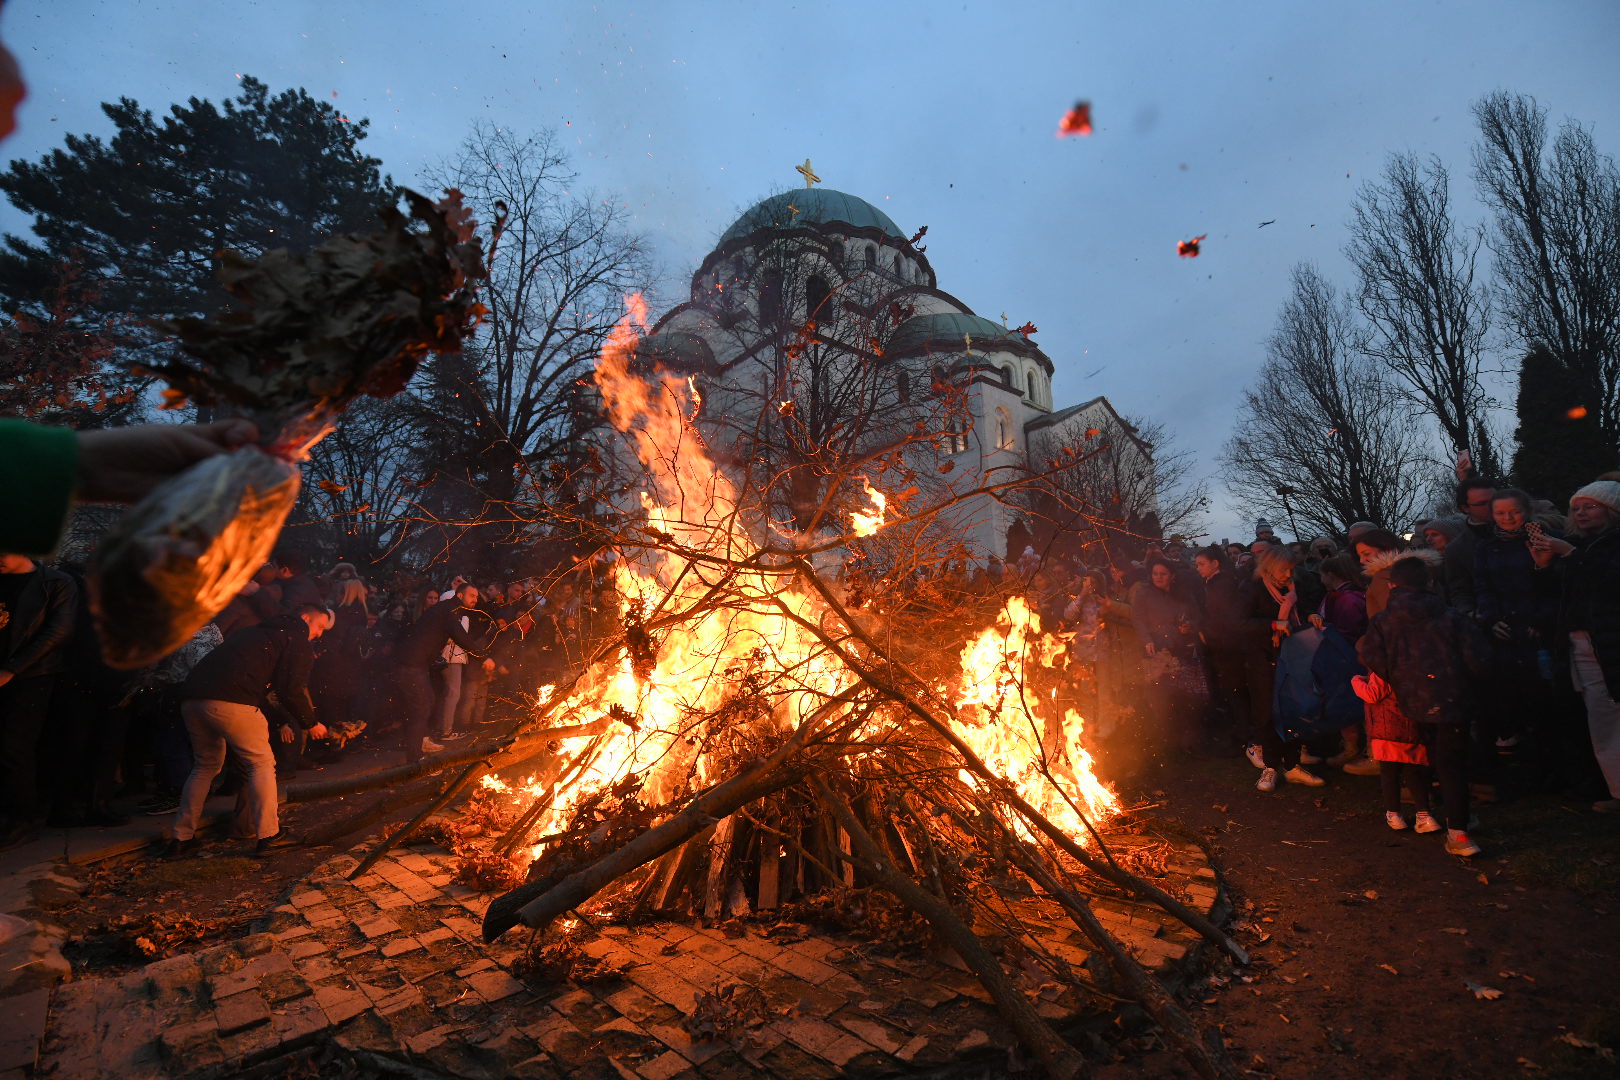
[[392, 966]]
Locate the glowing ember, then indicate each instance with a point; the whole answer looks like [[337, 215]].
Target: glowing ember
[[865, 524], [1077, 121], [1188, 249], [1577, 413]]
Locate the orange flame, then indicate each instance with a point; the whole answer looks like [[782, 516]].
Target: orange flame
[[688, 498], [865, 524]]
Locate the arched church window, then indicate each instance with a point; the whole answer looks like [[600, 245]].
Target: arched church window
[[1008, 379], [815, 294], [1034, 384], [902, 383], [770, 296], [899, 268], [835, 253], [871, 256], [1005, 439]]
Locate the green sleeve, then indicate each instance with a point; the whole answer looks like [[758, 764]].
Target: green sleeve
[[41, 464]]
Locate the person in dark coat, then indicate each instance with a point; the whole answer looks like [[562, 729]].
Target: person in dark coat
[[1166, 626], [1271, 612], [418, 650], [223, 703], [1585, 575], [1517, 617], [1474, 502], [338, 682], [297, 588], [1433, 659], [1223, 634], [37, 607]]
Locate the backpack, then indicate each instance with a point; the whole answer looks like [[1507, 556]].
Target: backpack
[[1312, 694]]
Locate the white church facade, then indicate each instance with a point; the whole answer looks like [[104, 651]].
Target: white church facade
[[818, 298]]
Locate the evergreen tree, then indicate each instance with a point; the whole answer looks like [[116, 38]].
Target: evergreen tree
[[141, 217], [1560, 444]]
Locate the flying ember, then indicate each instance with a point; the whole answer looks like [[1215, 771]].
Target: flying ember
[[1077, 121], [1188, 249]]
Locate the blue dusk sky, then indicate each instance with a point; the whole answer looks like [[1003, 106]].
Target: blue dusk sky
[[1210, 118]]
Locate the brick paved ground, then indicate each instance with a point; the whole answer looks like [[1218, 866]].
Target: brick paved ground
[[391, 966]]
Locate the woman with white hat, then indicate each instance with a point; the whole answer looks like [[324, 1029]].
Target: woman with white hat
[[1589, 615]]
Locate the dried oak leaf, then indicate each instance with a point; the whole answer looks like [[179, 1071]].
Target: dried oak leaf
[[1484, 993]]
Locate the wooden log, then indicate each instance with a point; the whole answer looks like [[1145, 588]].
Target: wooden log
[[1204, 1051], [770, 872], [714, 891], [1116, 874], [1060, 1060]]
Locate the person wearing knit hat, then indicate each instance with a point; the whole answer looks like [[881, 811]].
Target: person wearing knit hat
[[1603, 492], [1263, 530], [1438, 532], [1588, 572], [1357, 528]]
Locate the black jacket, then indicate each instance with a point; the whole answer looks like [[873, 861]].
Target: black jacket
[[1431, 656], [31, 643], [1587, 582], [426, 637], [252, 662], [1224, 628]]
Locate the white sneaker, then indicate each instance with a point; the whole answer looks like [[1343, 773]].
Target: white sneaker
[[1256, 756], [1426, 822], [1308, 758], [1301, 775], [431, 747], [1267, 781], [1458, 843], [1396, 822]]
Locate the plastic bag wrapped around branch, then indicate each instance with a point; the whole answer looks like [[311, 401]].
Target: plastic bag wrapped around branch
[[179, 556], [309, 333]]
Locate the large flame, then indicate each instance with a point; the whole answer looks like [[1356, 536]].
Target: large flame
[[692, 505]]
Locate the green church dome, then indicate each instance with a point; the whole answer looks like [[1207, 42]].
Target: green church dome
[[814, 206], [951, 332]]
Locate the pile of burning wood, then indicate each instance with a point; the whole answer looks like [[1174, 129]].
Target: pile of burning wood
[[752, 736]]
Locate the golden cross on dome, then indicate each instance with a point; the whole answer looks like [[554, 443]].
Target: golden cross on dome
[[1004, 320], [809, 174], [793, 208]]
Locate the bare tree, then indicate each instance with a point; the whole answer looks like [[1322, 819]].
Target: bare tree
[[560, 267], [1322, 437], [363, 483], [1127, 479], [1428, 317], [1557, 241]]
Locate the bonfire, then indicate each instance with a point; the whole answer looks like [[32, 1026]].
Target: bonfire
[[759, 731]]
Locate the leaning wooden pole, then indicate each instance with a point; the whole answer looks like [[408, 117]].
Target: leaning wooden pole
[[399, 836], [1119, 876], [1060, 1060], [1204, 1051]]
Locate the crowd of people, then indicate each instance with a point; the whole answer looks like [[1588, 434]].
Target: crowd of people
[[298, 668], [1476, 658]]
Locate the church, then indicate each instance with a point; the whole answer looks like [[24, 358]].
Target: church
[[816, 322]]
